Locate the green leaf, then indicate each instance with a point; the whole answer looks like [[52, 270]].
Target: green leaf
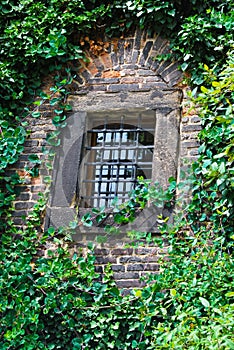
[[173, 292], [222, 168], [36, 114], [33, 158], [73, 224], [88, 223], [51, 231], [57, 119], [204, 89], [58, 111], [54, 101], [184, 66], [230, 343], [138, 293], [215, 84], [204, 302], [134, 344]]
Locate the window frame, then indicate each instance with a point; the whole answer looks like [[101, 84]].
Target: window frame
[[62, 206]]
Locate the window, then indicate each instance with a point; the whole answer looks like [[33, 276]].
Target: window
[[115, 154], [102, 152]]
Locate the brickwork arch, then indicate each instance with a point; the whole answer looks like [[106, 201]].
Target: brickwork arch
[[131, 62]]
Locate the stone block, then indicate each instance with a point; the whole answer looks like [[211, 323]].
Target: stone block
[[129, 259], [126, 275], [106, 59], [136, 267], [98, 88], [137, 39], [99, 269], [23, 196], [98, 81], [122, 251], [106, 260], [145, 52], [144, 251], [195, 119], [152, 267], [191, 128], [146, 72], [118, 268], [130, 284], [122, 87], [101, 251]]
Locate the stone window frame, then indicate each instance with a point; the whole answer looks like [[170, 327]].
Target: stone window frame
[[63, 198]]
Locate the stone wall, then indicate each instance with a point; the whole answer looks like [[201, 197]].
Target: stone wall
[[124, 70]]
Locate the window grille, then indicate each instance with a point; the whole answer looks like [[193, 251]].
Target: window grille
[[115, 154]]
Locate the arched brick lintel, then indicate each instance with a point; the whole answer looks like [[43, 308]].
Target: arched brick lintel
[[128, 64]]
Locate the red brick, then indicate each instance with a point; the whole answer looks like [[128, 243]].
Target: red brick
[[110, 74], [93, 70], [106, 60], [36, 181]]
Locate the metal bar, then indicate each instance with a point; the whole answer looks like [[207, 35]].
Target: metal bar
[[120, 163], [105, 197], [119, 158], [138, 130], [117, 147]]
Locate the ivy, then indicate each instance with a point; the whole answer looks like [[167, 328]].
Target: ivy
[[205, 39], [57, 300], [213, 187]]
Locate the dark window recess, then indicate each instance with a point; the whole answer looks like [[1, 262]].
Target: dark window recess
[[115, 154]]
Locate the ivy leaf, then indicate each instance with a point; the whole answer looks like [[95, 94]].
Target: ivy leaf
[[184, 66], [204, 89], [33, 158], [204, 302], [88, 223], [222, 168], [134, 344], [173, 292], [36, 114], [215, 84], [73, 224], [51, 231], [138, 293]]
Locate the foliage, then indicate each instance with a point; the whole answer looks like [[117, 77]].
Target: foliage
[[205, 39], [188, 305], [213, 187], [12, 142], [114, 218], [40, 38], [57, 300]]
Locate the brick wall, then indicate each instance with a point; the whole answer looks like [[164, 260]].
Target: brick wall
[[124, 69], [130, 264]]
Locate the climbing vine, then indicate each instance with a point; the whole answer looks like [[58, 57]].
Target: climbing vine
[[56, 301]]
